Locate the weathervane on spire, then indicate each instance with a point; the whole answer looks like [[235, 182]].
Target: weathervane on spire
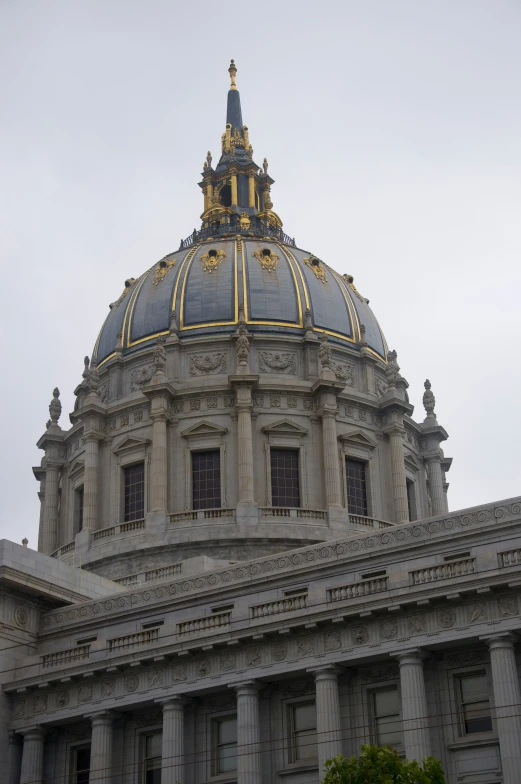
[[232, 70]]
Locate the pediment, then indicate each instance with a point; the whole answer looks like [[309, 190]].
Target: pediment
[[285, 426], [358, 438], [129, 443], [411, 462], [204, 428], [76, 467]]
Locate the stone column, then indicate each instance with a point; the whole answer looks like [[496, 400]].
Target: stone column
[[159, 464], [15, 758], [32, 756], [331, 469], [245, 447], [436, 486], [416, 734], [173, 764], [251, 191], [507, 699], [50, 509], [248, 734], [90, 483], [401, 507], [329, 738], [101, 748]]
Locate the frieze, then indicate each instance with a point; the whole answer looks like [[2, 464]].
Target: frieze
[[417, 623], [305, 646], [21, 616], [360, 635], [62, 698], [207, 364], [332, 640], [275, 362], [108, 688], [275, 401], [211, 402], [141, 376], [322, 553], [344, 372], [279, 651], [40, 703], [508, 606], [131, 683], [253, 656], [446, 618], [179, 672], [154, 678], [292, 402], [228, 662], [388, 629], [85, 693], [476, 612], [204, 668]]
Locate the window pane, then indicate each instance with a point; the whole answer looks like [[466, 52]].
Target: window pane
[[206, 479], [475, 707], [306, 744], [388, 731], [228, 730], [225, 740], [153, 745], [285, 487], [153, 776], [134, 492], [227, 758], [305, 717], [474, 688], [477, 717], [386, 702], [386, 714], [356, 487], [81, 766]]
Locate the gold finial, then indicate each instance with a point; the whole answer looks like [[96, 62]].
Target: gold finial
[[232, 70]]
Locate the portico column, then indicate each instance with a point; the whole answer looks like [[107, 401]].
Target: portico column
[[331, 468], [436, 486], [50, 509], [401, 507], [32, 756], [416, 734], [159, 465], [101, 749], [507, 699], [248, 733], [329, 738], [173, 760], [90, 484]]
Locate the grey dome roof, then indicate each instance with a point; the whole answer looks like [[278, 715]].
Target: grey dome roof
[[208, 283]]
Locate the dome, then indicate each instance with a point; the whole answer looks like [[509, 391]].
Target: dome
[[203, 288]]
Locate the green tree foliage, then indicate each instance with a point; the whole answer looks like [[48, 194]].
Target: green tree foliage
[[382, 765]]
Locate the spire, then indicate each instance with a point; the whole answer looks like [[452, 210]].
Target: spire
[[233, 109]]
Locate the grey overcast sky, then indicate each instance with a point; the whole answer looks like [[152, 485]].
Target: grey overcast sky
[[392, 129]]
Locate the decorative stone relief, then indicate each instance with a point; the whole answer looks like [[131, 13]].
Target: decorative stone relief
[[332, 640], [154, 678], [124, 420], [149, 718], [362, 415], [85, 693], [298, 688], [388, 629], [103, 392], [258, 400], [253, 656], [212, 259], [62, 698], [220, 702], [19, 709], [446, 618], [468, 656], [344, 372], [40, 703], [279, 651], [315, 265], [275, 401], [179, 406], [207, 364], [211, 402], [108, 688], [131, 683], [417, 624], [292, 402], [204, 668], [195, 405], [385, 672], [309, 404], [275, 362], [508, 606], [141, 376], [267, 259], [229, 401], [162, 270], [305, 646], [350, 412], [380, 386], [360, 635], [476, 612], [21, 616], [179, 672], [228, 662]]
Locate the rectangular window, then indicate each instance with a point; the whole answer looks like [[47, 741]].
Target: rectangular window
[[474, 703], [411, 499], [285, 486], [78, 509], [81, 765], [303, 723], [152, 754], [387, 726], [356, 487], [206, 479], [224, 745], [134, 492]]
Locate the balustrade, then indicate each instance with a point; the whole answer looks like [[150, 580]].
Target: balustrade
[[362, 588], [431, 574], [69, 656], [286, 604], [510, 558], [207, 623], [127, 641]]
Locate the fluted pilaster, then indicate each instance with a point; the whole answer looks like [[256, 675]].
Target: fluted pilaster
[[248, 734], [416, 734], [50, 510], [401, 507], [159, 466], [329, 737], [173, 762], [507, 699], [331, 467], [101, 749], [438, 497], [32, 757], [90, 484], [245, 454]]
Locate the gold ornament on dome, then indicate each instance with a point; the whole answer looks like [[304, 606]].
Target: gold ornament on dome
[[267, 259], [128, 285], [350, 283], [212, 259], [162, 270], [316, 267], [245, 221]]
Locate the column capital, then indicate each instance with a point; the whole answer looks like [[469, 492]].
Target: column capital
[[500, 640], [102, 717], [326, 672], [411, 656], [245, 688], [36, 732], [175, 702]]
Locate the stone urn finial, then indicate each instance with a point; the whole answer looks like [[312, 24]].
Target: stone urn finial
[[243, 348], [55, 407], [429, 401], [25, 541], [159, 357]]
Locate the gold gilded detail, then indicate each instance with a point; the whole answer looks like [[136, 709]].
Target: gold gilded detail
[[128, 285], [267, 259], [162, 270], [212, 259], [245, 221], [316, 267]]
